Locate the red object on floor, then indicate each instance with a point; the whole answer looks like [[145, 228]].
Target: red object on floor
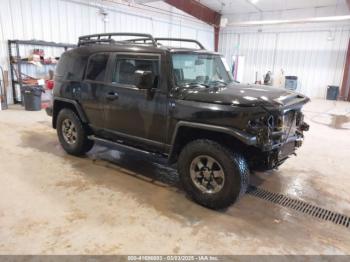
[[45, 105]]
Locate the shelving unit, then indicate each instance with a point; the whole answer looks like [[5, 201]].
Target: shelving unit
[[16, 60], [3, 97]]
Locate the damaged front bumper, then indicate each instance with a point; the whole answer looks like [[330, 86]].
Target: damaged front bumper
[[280, 140]]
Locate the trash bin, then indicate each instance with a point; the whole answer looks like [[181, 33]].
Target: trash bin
[[291, 82], [32, 97], [20, 96], [332, 92]]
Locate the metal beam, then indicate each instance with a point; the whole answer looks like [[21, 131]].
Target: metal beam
[[345, 89], [201, 12]]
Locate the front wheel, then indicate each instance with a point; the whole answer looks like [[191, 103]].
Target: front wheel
[[72, 134], [211, 174]]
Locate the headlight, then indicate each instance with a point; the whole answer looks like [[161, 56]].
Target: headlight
[[272, 122], [255, 124]]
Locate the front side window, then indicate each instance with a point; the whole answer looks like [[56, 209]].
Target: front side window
[[200, 70], [126, 69], [96, 69]]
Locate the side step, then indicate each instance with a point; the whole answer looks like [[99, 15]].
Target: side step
[[121, 145]]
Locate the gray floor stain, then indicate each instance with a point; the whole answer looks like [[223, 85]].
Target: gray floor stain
[[117, 201]]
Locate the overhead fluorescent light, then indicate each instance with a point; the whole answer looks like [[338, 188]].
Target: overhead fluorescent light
[[296, 21], [223, 22], [254, 1]]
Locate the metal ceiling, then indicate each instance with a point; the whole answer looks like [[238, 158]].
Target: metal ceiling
[[251, 6]]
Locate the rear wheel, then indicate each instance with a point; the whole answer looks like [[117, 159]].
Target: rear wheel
[[72, 134], [211, 174]]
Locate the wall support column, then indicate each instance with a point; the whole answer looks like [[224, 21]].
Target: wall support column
[[345, 89], [216, 37]]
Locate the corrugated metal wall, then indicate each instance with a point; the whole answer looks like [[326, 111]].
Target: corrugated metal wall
[[65, 20], [309, 55]]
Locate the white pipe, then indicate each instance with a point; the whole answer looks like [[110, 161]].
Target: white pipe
[[296, 21]]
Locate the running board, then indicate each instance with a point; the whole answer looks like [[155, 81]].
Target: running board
[[120, 145]]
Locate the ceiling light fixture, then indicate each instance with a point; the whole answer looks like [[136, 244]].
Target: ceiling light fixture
[[223, 22], [296, 21]]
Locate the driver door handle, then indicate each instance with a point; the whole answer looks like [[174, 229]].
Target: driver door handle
[[112, 96]]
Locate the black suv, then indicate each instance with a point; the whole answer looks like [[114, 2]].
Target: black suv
[[179, 102]]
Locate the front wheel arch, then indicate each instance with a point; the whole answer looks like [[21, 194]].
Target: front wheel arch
[[185, 134]]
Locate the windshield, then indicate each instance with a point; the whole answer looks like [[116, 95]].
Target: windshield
[[200, 70]]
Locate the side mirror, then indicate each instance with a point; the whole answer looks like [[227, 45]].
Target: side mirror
[[144, 79]]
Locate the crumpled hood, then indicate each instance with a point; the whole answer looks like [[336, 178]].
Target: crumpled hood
[[244, 95]]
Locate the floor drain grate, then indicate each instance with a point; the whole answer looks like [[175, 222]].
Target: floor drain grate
[[301, 206]]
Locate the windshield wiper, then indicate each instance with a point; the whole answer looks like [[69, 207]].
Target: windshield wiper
[[192, 84], [217, 82]]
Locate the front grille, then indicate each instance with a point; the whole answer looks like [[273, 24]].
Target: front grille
[[289, 123]]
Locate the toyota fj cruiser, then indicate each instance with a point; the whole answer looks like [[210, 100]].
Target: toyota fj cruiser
[[179, 102]]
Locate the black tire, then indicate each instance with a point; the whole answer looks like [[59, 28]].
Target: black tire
[[235, 171], [82, 144]]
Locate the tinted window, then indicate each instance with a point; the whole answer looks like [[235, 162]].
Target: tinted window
[[97, 67], [71, 66], [125, 70]]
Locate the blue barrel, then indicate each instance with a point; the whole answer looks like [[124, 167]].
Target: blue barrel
[[332, 92], [291, 82]]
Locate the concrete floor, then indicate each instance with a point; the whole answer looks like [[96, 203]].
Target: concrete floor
[[122, 202]]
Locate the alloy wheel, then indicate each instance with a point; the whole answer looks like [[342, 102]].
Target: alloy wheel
[[69, 131], [207, 174]]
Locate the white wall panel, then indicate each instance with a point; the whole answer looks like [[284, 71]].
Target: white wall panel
[[65, 20], [316, 61]]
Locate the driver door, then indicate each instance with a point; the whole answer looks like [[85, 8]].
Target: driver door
[[131, 114]]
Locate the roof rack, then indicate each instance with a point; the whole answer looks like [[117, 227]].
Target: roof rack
[[143, 39], [107, 38], [180, 40]]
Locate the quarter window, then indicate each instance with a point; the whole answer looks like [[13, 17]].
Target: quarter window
[[126, 68], [97, 67]]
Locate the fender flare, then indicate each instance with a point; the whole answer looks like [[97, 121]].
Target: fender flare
[[76, 105], [245, 138]]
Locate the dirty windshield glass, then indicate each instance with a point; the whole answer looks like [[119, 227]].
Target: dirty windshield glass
[[200, 70]]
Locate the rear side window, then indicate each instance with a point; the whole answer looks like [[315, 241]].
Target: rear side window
[[71, 66], [96, 69]]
